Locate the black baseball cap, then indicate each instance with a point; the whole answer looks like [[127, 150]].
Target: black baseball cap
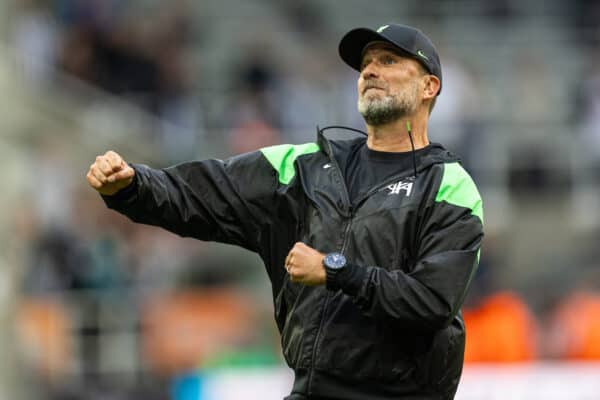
[[406, 38]]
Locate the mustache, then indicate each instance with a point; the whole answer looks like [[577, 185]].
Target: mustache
[[374, 84]]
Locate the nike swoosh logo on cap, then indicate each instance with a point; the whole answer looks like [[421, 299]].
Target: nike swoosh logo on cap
[[420, 53]]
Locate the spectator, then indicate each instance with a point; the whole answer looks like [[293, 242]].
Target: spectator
[[501, 329], [575, 328], [36, 39]]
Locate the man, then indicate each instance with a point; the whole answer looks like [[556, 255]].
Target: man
[[370, 244]]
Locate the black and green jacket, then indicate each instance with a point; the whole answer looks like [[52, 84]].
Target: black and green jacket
[[393, 329]]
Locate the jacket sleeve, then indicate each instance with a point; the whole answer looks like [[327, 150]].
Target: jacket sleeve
[[224, 201], [431, 294]]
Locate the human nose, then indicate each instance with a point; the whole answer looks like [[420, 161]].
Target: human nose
[[369, 71]]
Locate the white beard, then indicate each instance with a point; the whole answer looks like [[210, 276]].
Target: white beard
[[382, 110]]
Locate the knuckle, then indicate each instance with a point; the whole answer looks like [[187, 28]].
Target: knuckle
[[115, 158], [99, 176]]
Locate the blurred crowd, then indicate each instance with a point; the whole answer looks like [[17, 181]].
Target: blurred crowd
[[112, 309]]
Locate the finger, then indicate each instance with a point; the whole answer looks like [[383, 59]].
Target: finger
[[287, 267], [104, 166], [289, 256], [95, 183], [115, 160], [127, 173], [98, 174]]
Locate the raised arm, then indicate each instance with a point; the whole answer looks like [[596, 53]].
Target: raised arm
[[225, 201]]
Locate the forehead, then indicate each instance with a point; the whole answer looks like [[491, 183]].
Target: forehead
[[377, 49], [381, 47]]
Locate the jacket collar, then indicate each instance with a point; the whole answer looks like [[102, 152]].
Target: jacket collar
[[436, 154]]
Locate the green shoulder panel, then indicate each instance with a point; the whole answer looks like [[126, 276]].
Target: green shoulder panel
[[458, 188], [282, 158]]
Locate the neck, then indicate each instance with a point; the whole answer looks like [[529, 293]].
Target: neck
[[393, 137]]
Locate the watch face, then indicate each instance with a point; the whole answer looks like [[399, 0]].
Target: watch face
[[334, 260]]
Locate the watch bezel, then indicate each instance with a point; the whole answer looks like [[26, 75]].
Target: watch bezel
[[334, 261]]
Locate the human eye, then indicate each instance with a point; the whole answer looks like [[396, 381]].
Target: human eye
[[388, 60], [364, 63]]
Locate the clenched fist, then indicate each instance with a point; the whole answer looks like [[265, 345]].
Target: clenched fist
[[305, 265], [110, 173]]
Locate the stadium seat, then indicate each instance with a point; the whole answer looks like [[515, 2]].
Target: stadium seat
[[44, 331], [184, 330]]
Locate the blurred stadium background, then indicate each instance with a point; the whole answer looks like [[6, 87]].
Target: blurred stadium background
[[95, 307]]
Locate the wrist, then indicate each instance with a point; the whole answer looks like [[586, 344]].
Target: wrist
[[334, 264]]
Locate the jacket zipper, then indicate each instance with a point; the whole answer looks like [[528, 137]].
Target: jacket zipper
[[349, 215], [324, 313]]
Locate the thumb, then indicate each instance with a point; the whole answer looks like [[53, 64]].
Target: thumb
[[125, 173]]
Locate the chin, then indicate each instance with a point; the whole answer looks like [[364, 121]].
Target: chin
[[372, 97]]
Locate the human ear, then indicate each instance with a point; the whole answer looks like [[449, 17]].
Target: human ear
[[432, 86]]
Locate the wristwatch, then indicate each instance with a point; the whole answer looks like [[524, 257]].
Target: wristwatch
[[333, 263]]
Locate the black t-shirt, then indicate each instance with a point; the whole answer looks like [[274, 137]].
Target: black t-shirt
[[365, 168]]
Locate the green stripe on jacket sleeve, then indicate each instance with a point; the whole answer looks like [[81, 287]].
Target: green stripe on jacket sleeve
[[458, 188], [282, 158]]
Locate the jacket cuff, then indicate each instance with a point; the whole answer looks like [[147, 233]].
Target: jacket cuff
[[124, 197], [349, 279]]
